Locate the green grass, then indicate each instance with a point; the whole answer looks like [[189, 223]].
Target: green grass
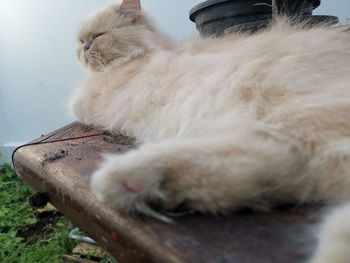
[[24, 238], [17, 217]]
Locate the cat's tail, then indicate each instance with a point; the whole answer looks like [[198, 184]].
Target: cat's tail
[[334, 238]]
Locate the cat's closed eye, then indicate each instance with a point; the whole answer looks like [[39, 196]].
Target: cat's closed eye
[[94, 36], [98, 35]]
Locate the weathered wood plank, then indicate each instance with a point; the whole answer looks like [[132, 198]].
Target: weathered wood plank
[[62, 169]]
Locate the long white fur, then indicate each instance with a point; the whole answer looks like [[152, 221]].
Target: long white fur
[[334, 238], [238, 121]]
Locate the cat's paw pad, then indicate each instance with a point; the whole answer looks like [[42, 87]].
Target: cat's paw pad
[[127, 184]]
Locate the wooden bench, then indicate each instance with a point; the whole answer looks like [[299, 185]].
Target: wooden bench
[[60, 164]]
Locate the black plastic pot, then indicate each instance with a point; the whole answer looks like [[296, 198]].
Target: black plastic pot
[[215, 17]]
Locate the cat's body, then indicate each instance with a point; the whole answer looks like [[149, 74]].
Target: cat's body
[[241, 121]]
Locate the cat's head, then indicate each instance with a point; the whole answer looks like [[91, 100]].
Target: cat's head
[[116, 35]]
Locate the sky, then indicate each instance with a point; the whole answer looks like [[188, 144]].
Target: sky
[[38, 69]]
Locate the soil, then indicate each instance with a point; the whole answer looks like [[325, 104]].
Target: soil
[[52, 157], [44, 225], [119, 139]]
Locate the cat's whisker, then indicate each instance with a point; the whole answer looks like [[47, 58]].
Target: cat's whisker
[[101, 63], [97, 59], [119, 52]]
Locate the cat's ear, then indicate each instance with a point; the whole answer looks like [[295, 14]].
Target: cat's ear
[[131, 9]]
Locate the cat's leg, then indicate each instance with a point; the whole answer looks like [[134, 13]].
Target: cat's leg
[[334, 243], [210, 174], [326, 175]]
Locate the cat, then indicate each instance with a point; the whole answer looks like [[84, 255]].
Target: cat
[[223, 123], [334, 238]]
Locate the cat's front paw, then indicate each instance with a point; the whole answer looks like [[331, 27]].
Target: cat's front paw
[[79, 110], [129, 184]]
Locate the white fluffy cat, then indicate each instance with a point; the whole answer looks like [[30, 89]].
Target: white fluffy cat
[[240, 121]]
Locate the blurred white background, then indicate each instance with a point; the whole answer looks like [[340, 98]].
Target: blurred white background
[[38, 69]]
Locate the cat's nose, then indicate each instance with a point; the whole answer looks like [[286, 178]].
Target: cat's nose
[[87, 45]]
